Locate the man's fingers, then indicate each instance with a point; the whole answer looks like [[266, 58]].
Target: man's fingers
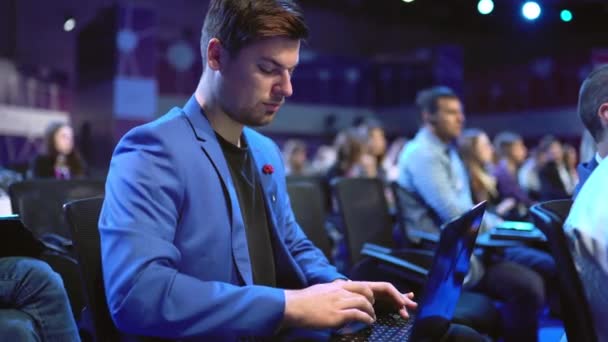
[[388, 292], [360, 288], [358, 302], [403, 313], [351, 315]]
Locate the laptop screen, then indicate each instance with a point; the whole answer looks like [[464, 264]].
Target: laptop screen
[[450, 265]]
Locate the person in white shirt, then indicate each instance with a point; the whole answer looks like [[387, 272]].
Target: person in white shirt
[[593, 111], [587, 222]]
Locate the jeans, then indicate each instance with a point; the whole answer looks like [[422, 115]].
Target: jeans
[[33, 303]]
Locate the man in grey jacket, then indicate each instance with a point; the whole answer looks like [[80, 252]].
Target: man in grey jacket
[[437, 189]]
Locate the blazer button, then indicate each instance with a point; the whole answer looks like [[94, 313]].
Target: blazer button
[[273, 198]]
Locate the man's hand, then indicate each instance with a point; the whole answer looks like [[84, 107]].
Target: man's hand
[[388, 296], [335, 304]]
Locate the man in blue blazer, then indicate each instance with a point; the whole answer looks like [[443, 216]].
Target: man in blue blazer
[[198, 237]]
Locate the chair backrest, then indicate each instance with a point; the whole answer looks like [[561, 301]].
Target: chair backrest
[[306, 201], [549, 217], [400, 204], [321, 183], [39, 202], [82, 217], [364, 209]]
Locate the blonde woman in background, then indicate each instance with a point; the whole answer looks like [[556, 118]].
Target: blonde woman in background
[[478, 155]]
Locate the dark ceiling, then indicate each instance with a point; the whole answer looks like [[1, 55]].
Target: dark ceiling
[[462, 15]]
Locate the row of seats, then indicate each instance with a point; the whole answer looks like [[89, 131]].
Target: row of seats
[[367, 219], [366, 216]]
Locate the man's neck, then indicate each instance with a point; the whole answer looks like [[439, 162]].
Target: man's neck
[[433, 131], [602, 148], [222, 124]]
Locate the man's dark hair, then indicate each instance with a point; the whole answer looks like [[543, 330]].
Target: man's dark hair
[[237, 23], [594, 92], [427, 100]]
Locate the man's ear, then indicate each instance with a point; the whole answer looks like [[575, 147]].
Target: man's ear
[[214, 54], [602, 112], [428, 117]]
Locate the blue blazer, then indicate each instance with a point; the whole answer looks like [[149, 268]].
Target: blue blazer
[[174, 250]]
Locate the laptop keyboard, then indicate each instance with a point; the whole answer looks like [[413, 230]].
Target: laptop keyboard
[[388, 327]]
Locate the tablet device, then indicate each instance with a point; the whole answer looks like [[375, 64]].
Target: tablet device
[[516, 225]]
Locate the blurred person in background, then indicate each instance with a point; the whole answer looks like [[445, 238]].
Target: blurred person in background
[[570, 162], [555, 180], [295, 158], [60, 159], [511, 153], [478, 154], [324, 159], [527, 176], [391, 160], [375, 142], [436, 189], [352, 159]]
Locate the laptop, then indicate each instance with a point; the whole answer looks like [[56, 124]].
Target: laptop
[[441, 290]]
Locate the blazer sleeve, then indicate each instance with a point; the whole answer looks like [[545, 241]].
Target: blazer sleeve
[[311, 260], [146, 293]]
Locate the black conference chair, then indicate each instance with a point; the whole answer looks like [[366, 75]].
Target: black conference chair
[[549, 217], [306, 201], [368, 222], [39, 202], [368, 227], [82, 217]]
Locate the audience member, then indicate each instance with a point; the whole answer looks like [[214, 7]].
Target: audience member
[[295, 158], [437, 185], [350, 152], [33, 303], [324, 159], [198, 185], [587, 221], [527, 176], [375, 143], [391, 160], [555, 180], [512, 153], [478, 154], [60, 159], [570, 163]]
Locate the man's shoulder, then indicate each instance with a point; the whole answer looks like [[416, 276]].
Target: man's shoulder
[[590, 198], [163, 125], [420, 148]]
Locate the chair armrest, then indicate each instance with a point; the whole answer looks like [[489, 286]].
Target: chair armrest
[[423, 236], [393, 260]]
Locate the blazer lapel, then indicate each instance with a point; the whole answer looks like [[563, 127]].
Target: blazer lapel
[[268, 185], [206, 137]]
